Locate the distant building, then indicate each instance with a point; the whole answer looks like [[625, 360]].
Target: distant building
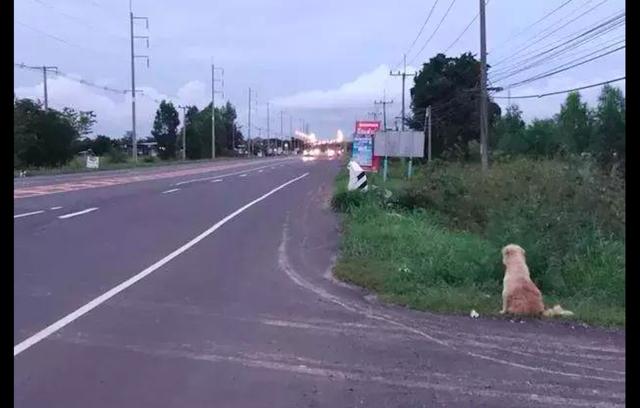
[[144, 148]]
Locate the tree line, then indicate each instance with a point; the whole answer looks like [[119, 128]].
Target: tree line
[[450, 87], [52, 138]]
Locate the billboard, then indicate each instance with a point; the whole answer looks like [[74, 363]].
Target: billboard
[[367, 127], [363, 143], [406, 143], [363, 150]]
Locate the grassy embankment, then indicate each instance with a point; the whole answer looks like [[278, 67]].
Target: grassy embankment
[[435, 243]]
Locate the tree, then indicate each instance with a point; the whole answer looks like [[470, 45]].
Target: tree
[[165, 129], [450, 87], [575, 124], [541, 139], [82, 121], [508, 132], [610, 126], [41, 137], [199, 131], [101, 145]]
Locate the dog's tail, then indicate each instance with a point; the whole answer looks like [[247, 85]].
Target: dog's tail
[[557, 310]]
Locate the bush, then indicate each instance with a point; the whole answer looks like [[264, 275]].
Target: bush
[[567, 215], [116, 155]]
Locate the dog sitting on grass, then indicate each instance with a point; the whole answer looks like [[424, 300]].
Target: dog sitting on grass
[[520, 296]]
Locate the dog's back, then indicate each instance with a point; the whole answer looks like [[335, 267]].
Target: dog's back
[[524, 298]]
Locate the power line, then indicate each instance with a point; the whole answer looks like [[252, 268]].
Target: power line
[[561, 92], [530, 44], [72, 78], [536, 22], [434, 31], [72, 17], [534, 64], [60, 40], [557, 70], [465, 29], [610, 24], [420, 32]]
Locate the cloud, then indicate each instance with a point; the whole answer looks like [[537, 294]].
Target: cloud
[[361, 92], [113, 111]]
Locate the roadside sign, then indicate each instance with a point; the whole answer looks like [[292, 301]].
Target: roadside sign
[[363, 150], [367, 127], [399, 144], [93, 162], [363, 141]]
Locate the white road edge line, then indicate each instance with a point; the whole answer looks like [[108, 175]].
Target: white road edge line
[[88, 210], [173, 190], [27, 214], [219, 176], [243, 175], [216, 180], [55, 208], [76, 314]]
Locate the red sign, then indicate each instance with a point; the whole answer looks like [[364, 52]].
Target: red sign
[[366, 127]]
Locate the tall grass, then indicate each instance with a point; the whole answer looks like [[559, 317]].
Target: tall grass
[[435, 244]]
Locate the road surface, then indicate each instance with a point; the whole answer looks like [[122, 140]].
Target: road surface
[[212, 288]]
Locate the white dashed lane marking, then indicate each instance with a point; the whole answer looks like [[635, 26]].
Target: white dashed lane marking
[[27, 214], [75, 214]]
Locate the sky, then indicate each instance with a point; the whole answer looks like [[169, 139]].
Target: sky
[[322, 63]]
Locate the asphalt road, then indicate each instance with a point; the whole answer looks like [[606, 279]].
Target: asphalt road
[[213, 289]]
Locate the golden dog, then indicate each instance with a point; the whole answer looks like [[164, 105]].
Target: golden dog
[[520, 296]]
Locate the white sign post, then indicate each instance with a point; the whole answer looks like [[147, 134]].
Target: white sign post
[[93, 162]]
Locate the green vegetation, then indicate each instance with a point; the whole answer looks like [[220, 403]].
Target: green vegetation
[[49, 141], [556, 187], [435, 243]]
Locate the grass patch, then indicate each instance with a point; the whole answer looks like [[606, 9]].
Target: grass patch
[[435, 243], [78, 165]]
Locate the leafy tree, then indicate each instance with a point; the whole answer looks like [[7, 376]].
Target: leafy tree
[[41, 137], [165, 129], [82, 121], [574, 124], [508, 132], [610, 126], [199, 131], [450, 87], [541, 138], [101, 145]]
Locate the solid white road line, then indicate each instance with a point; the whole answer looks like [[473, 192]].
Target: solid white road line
[[27, 214], [216, 180], [88, 210], [76, 314], [260, 171], [173, 190], [55, 208], [218, 176], [243, 175]]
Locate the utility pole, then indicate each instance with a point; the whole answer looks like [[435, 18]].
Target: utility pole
[[282, 126], [184, 131], [44, 69], [249, 125], [44, 74], [134, 140], [384, 104], [427, 126], [484, 120], [268, 129], [404, 75], [213, 107]]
